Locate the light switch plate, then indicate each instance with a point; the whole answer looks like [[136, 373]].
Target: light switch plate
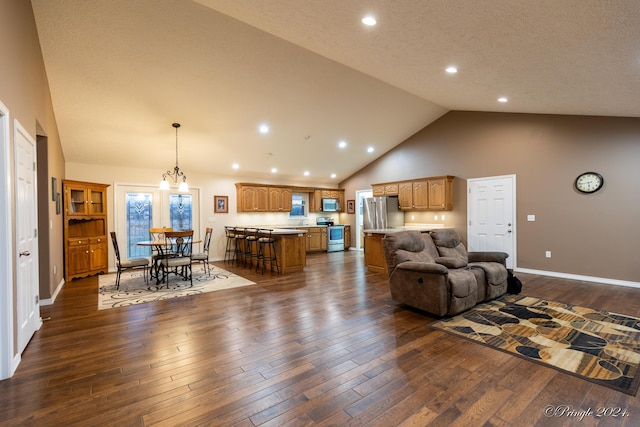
[[531, 217]]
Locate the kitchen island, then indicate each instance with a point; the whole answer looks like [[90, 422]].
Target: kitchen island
[[373, 251], [290, 247]]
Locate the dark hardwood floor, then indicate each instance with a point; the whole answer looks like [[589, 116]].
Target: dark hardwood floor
[[326, 346]]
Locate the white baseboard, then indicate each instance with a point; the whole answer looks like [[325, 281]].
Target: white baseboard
[[578, 277], [50, 301]]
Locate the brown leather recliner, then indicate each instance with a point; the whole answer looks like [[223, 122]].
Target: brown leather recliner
[[434, 272]]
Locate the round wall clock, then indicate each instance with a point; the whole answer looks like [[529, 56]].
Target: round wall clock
[[589, 182]]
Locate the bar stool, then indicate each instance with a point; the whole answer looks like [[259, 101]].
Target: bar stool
[[266, 242], [230, 250], [250, 246], [240, 239]]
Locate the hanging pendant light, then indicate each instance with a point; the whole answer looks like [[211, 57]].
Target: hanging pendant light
[[176, 174]]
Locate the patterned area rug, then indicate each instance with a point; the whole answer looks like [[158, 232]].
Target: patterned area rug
[[134, 290], [595, 345]]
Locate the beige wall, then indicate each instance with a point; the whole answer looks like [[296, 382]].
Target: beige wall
[[24, 91], [590, 235]]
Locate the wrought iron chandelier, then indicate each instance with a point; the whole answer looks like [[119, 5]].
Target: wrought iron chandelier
[[176, 174]]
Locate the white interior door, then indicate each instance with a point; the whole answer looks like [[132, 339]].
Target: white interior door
[[491, 214], [27, 290]]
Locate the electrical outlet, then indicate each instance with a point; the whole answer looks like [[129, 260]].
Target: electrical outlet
[[55, 269], [547, 254]]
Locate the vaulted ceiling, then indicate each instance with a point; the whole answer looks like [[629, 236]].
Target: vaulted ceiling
[[121, 72]]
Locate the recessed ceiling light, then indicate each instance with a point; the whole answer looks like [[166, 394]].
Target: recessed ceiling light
[[333, 175], [235, 166], [306, 173], [502, 99], [263, 129], [369, 21], [342, 144], [451, 70], [369, 149], [274, 170]]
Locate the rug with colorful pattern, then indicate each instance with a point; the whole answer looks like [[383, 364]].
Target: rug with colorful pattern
[[595, 345]]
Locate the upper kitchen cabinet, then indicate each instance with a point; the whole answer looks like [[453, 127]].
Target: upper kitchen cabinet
[[315, 198], [252, 198], [441, 193], [280, 199], [413, 195], [424, 194], [390, 189], [274, 198]]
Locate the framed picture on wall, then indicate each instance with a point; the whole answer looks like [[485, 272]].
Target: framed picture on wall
[[351, 206], [54, 188], [221, 204]]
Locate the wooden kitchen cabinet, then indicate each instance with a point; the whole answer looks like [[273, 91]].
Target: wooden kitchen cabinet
[[280, 199], [272, 198], [315, 198], [425, 194], [252, 198], [316, 238], [405, 195], [85, 229], [413, 195], [374, 257], [380, 190], [441, 193]]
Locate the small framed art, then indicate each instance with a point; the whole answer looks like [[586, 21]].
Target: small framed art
[[351, 206], [54, 188], [221, 204]]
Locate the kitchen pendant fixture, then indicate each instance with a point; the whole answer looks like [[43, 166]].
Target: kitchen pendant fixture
[[176, 174]]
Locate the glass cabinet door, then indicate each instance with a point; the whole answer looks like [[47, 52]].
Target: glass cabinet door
[[77, 205], [96, 201]]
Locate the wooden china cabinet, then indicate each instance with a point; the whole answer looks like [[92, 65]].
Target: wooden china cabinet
[[85, 229]]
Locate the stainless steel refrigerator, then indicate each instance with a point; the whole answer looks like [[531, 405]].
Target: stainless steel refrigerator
[[382, 212]]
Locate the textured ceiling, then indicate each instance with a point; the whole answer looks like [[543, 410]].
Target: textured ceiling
[[122, 71]]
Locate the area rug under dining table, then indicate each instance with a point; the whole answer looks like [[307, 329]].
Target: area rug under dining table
[[134, 290], [595, 345]]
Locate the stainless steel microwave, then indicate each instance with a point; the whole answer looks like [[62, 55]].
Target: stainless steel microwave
[[330, 205]]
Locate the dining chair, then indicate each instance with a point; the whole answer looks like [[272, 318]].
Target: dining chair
[[156, 234], [204, 255], [178, 259], [130, 264]]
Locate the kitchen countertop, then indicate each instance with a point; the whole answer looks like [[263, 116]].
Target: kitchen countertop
[[287, 227], [417, 227]]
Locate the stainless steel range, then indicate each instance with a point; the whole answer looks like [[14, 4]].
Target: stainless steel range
[[335, 234]]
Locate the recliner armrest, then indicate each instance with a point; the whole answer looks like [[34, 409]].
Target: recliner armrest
[[451, 262], [423, 267], [500, 257]]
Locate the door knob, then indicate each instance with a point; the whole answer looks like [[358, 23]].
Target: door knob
[[25, 253]]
